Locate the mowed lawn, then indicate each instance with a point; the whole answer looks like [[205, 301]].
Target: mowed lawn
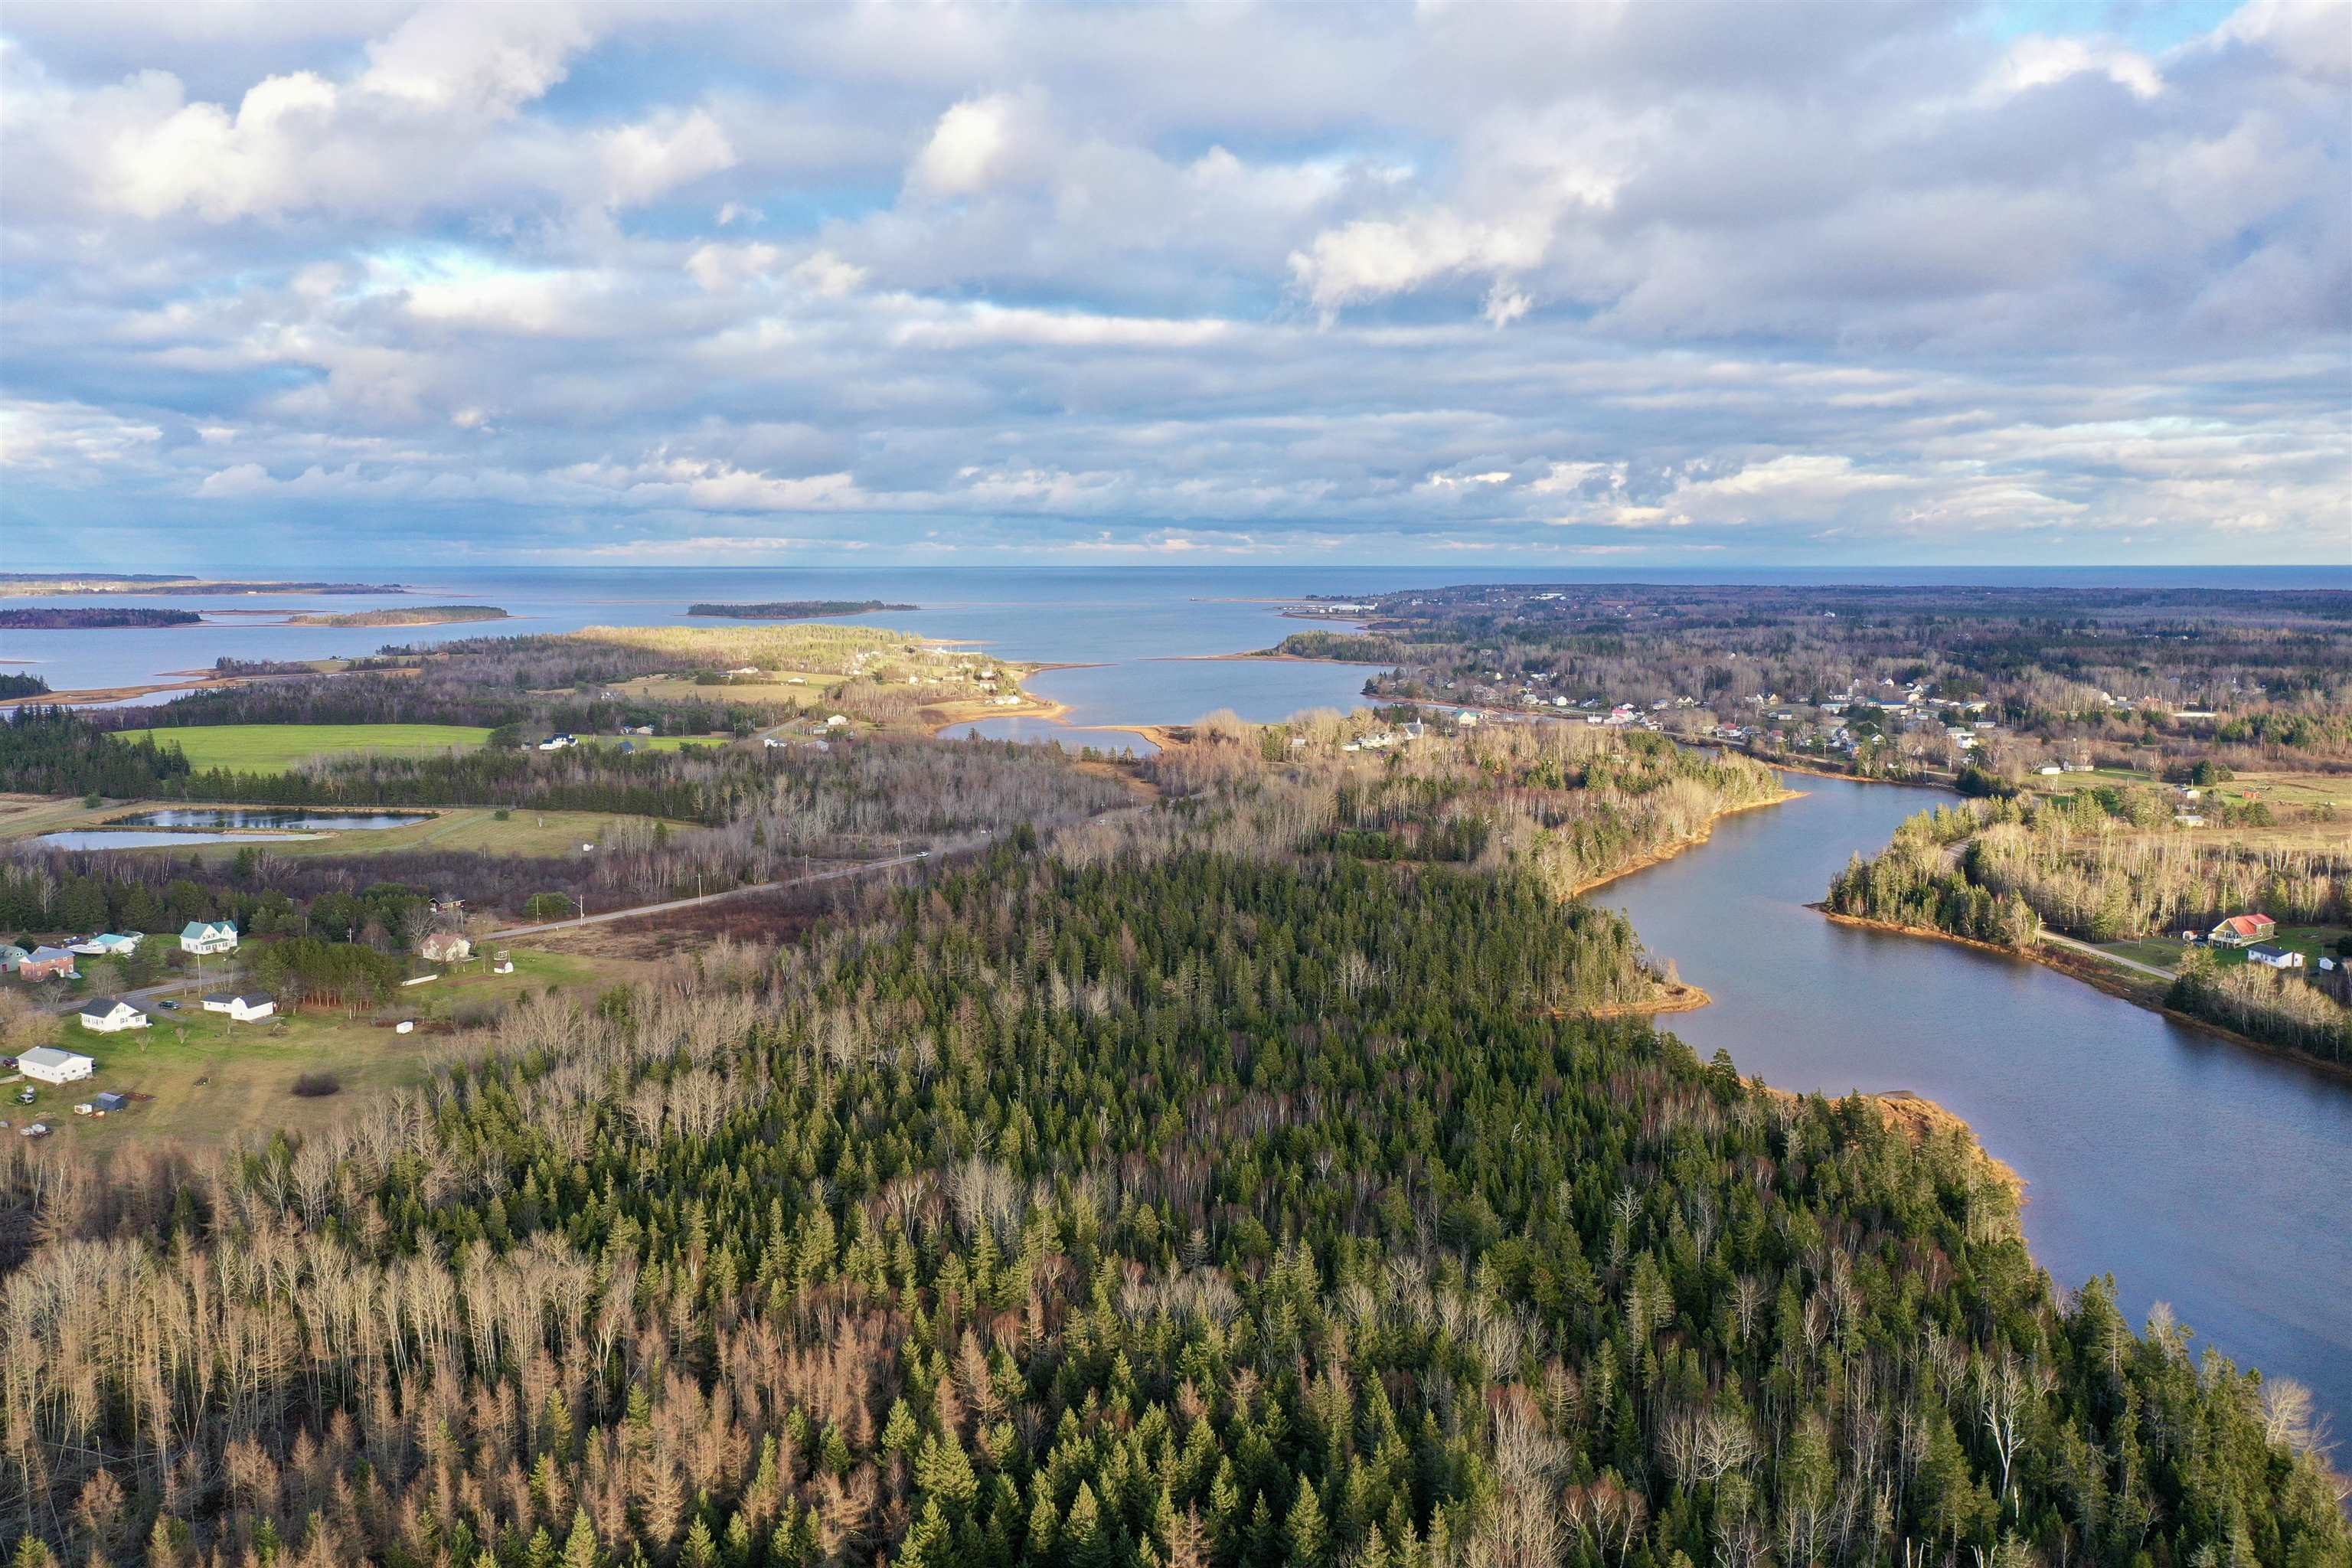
[[211, 1079], [274, 748]]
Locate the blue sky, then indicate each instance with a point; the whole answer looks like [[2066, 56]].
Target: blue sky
[[1641, 284]]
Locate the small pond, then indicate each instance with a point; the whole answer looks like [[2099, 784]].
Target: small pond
[[281, 818]]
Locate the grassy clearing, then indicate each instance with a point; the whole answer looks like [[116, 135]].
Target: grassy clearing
[[274, 748], [2164, 952], [249, 1070]]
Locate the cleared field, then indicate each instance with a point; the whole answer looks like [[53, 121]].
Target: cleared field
[[2291, 790], [212, 1079], [274, 748], [2164, 952], [777, 693]]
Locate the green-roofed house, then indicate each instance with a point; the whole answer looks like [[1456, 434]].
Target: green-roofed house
[[205, 937]]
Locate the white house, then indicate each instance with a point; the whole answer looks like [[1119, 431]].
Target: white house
[[242, 1006], [445, 947], [208, 936], [2277, 957], [557, 742], [105, 1016], [48, 1063]]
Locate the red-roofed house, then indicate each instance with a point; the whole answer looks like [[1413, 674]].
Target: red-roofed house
[[2240, 930]]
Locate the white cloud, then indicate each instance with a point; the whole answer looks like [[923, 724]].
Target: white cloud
[[968, 147]]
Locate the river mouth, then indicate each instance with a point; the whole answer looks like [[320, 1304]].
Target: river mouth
[[269, 819]]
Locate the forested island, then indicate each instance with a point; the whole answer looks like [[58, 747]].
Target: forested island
[[1259, 1175], [56, 617], [795, 609], [405, 616], [23, 686]]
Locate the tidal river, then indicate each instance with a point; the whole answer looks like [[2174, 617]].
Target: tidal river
[[2198, 1171]]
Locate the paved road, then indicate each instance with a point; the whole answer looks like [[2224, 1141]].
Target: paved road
[[2133, 963], [863, 867]]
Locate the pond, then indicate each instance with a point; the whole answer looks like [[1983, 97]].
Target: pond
[[282, 818]]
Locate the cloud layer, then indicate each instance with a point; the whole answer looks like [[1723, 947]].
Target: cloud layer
[[1670, 283]]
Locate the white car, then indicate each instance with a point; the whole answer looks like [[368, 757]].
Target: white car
[[37, 1130]]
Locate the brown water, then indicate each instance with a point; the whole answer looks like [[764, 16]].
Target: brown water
[[2198, 1171]]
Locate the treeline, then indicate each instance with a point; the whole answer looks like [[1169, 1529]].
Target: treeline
[[56, 751], [1183, 1208], [2279, 1009], [23, 686]]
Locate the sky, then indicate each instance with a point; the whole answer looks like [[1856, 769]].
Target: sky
[[1664, 283]]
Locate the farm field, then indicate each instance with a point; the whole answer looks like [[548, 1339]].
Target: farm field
[[469, 828], [274, 748], [249, 1070]]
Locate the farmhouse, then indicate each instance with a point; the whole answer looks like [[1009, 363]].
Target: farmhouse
[[48, 1063], [203, 937], [2240, 930], [2275, 956], [242, 1006], [445, 947], [46, 963], [105, 1016]]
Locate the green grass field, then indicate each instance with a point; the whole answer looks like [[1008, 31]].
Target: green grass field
[[274, 748], [249, 1070]]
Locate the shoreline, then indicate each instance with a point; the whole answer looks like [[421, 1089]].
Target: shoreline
[[1682, 997], [1916, 1117], [2099, 977], [1659, 856]]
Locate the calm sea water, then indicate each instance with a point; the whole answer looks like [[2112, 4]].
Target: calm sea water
[[2200, 1172]]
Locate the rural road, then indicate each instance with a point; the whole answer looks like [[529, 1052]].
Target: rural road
[[862, 868], [2131, 963]]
